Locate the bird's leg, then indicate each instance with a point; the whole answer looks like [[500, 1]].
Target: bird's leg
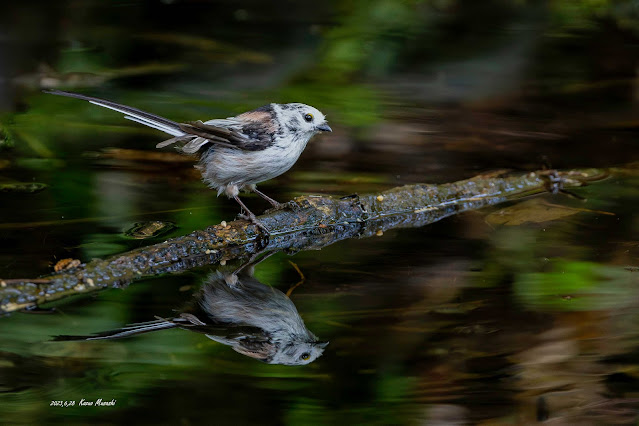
[[253, 261], [274, 203], [249, 215]]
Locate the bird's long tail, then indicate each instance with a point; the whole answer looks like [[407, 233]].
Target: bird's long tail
[[129, 330], [130, 113]]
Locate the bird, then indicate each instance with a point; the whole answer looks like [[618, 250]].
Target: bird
[[235, 153], [237, 310]]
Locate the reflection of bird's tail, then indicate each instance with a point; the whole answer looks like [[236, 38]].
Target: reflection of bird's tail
[[129, 330], [130, 113]]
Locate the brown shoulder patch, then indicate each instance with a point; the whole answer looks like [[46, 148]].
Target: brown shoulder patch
[[262, 118]]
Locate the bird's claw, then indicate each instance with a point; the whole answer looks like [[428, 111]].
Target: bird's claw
[[291, 205], [251, 218], [277, 206]]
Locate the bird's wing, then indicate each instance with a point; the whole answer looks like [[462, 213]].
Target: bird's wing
[[218, 135], [238, 133], [251, 131], [261, 349]]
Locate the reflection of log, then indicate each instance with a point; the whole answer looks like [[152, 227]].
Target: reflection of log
[[309, 222]]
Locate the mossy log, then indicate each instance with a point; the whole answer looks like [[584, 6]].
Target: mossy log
[[307, 222]]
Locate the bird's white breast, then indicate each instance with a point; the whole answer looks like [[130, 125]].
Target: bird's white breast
[[223, 166]]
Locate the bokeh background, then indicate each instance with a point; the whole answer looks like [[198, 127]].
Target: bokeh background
[[515, 314]]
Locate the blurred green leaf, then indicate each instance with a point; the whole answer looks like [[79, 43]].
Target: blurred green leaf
[[576, 286]]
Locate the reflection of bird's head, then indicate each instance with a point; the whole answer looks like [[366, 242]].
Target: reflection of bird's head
[[276, 332], [298, 353]]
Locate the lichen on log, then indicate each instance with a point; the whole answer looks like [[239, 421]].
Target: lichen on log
[[306, 223]]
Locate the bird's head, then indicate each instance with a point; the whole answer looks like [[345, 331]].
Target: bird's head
[[302, 119]]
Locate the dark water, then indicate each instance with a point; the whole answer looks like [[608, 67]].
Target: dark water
[[489, 317]]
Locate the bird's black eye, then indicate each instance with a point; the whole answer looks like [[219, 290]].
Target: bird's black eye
[[305, 356], [308, 117]]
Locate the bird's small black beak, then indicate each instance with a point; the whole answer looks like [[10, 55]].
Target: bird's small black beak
[[324, 128]]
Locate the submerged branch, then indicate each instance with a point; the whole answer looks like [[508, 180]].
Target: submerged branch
[[307, 222]]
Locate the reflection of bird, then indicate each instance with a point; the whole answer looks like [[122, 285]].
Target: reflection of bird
[[237, 310], [237, 152]]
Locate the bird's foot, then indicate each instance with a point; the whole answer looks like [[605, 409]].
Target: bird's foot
[[281, 206], [251, 218], [272, 202], [277, 206], [293, 206]]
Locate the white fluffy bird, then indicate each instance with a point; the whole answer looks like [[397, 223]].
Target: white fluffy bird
[[235, 153]]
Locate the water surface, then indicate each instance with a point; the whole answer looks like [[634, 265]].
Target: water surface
[[475, 319]]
